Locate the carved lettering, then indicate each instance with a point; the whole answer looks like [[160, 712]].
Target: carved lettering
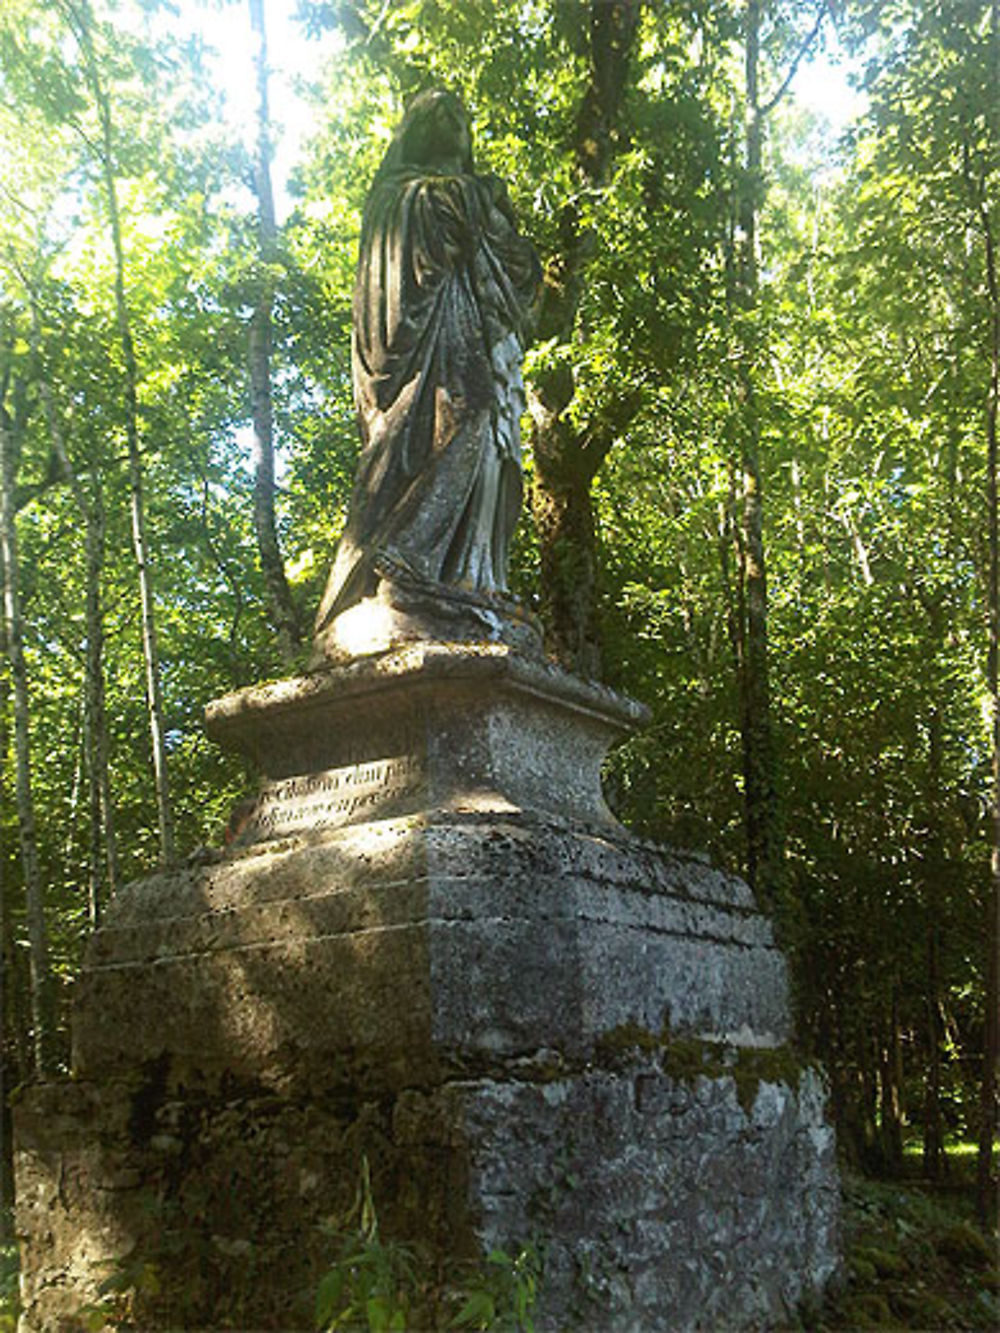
[[334, 796]]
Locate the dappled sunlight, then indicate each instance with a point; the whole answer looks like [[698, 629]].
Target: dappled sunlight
[[364, 628]]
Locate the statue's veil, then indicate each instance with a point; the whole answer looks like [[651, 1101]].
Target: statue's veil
[[414, 141]]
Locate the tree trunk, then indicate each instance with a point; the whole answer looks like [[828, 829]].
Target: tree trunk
[[933, 870], [140, 543], [80, 19], [280, 605], [15, 1060], [890, 1090], [985, 1196], [102, 855], [763, 832], [933, 1148], [567, 459], [14, 1065], [564, 520], [40, 979]]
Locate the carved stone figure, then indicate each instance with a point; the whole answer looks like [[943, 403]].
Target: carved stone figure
[[443, 290]]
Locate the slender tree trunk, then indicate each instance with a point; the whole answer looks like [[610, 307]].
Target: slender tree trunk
[[933, 869], [933, 1149], [280, 605], [991, 1056], [15, 1060], [765, 836], [41, 994], [566, 458], [890, 1085], [13, 985], [868, 1078], [12, 1067], [764, 839], [79, 732], [102, 856], [140, 542], [81, 21], [101, 851]]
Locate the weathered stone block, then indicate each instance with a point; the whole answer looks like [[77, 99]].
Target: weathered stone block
[[430, 946], [434, 940]]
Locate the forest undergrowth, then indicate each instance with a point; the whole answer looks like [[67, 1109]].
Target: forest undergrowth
[[913, 1258]]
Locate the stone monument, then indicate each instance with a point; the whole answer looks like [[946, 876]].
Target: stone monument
[[428, 945]]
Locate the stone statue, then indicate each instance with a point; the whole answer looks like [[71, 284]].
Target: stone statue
[[442, 294]]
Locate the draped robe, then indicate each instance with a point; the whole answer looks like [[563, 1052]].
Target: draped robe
[[443, 287]]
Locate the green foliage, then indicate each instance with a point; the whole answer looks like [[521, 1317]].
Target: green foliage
[[383, 1286], [131, 1280], [371, 1283], [9, 1303], [501, 1293], [368, 1286]]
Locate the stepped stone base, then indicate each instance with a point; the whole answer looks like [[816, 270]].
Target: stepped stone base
[[431, 947]]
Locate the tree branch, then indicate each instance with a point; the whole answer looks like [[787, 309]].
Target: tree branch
[[793, 68]]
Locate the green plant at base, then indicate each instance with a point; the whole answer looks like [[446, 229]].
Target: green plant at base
[[501, 1294], [913, 1260], [371, 1282], [131, 1278], [380, 1285]]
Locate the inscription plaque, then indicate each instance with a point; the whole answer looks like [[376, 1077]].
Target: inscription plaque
[[331, 797]]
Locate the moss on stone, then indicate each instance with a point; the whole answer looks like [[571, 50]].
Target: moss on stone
[[686, 1059], [627, 1037], [924, 1309], [860, 1270], [911, 1250]]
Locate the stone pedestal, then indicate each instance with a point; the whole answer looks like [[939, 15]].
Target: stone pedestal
[[429, 945]]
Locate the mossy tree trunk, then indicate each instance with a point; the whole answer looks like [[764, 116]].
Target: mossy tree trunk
[[566, 457]]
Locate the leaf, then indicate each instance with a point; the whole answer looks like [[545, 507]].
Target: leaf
[[380, 1312], [148, 1280], [329, 1296], [479, 1311]]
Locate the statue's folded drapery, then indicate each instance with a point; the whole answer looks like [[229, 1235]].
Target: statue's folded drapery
[[443, 287]]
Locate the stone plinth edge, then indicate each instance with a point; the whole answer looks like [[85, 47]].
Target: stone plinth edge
[[229, 720], [429, 726]]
